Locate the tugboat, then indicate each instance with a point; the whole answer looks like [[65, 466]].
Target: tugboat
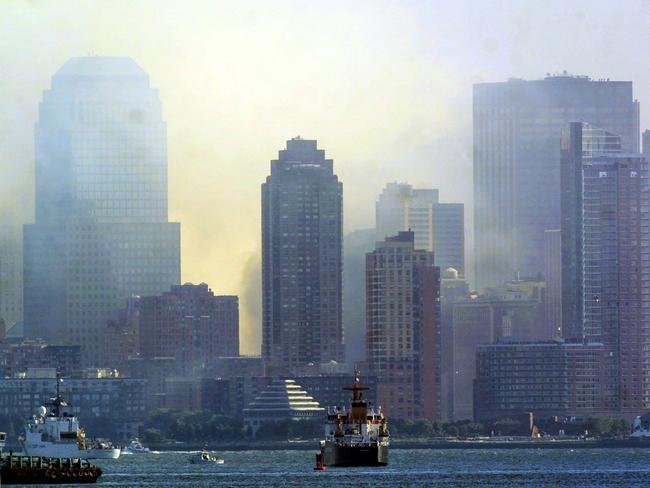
[[54, 432], [355, 438]]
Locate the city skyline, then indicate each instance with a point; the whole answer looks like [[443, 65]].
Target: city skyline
[[428, 138]]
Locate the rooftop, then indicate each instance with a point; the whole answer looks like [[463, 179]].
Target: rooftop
[[100, 67]]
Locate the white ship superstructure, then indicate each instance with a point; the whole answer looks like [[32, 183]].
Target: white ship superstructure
[[55, 432]]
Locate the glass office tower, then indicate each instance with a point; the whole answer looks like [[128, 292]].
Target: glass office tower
[[517, 128], [101, 232]]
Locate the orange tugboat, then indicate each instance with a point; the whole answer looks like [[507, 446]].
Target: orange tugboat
[[358, 437]]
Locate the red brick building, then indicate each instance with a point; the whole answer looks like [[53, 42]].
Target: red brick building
[[403, 327]]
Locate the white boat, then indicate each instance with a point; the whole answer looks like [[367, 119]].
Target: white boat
[[55, 432], [135, 447], [205, 457], [639, 430]]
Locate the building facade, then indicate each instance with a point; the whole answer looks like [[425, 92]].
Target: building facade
[[605, 259], [481, 320], [453, 289], [553, 276], [438, 227], [11, 277], [403, 327], [545, 378], [517, 127], [106, 407], [302, 214], [188, 323], [17, 358], [355, 246], [101, 232], [580, 142], [616, 298]]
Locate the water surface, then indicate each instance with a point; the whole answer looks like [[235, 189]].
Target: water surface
[[474, 468]]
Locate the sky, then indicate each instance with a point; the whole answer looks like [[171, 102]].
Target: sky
[[384, 86]]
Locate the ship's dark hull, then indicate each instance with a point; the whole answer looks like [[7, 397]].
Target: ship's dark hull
[[351, 456], [34, 470]]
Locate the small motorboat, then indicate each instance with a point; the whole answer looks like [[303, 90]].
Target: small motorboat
[[204, 457], [135, 447]]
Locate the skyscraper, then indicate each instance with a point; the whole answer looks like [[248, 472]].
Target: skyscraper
[[403, 327], [101, 232], [604, 259], [579, 143], [616, 288], [517, 126], [438, 227], [302, 214]]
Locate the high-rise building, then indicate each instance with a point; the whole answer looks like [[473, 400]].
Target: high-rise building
[[517, 126], [553, 275], [101, 232], [579, 143], [605, 243], [616, 286], [302, 213], [545, 378], [355, 246], [403, 327], [438, 227], [11, 277]]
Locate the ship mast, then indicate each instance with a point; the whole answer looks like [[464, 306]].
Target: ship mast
[[359, 410]]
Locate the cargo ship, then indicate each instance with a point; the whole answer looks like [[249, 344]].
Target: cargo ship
[[355, 437]]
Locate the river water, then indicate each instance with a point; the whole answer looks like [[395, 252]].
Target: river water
[[474, 468]]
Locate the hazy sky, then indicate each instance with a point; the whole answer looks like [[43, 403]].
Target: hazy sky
[[385, 87]]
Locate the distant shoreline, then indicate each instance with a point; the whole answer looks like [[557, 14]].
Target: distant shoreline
[[418, 444], [401, 444]]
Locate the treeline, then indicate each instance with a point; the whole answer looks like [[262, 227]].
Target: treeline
[[596, 427], [426, 429], [166, 425]]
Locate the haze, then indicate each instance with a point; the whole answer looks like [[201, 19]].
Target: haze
[[385, 88]]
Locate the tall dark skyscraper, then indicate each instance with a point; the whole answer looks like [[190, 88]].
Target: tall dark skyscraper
[[101, 233], [302, 214], [517, 127]]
